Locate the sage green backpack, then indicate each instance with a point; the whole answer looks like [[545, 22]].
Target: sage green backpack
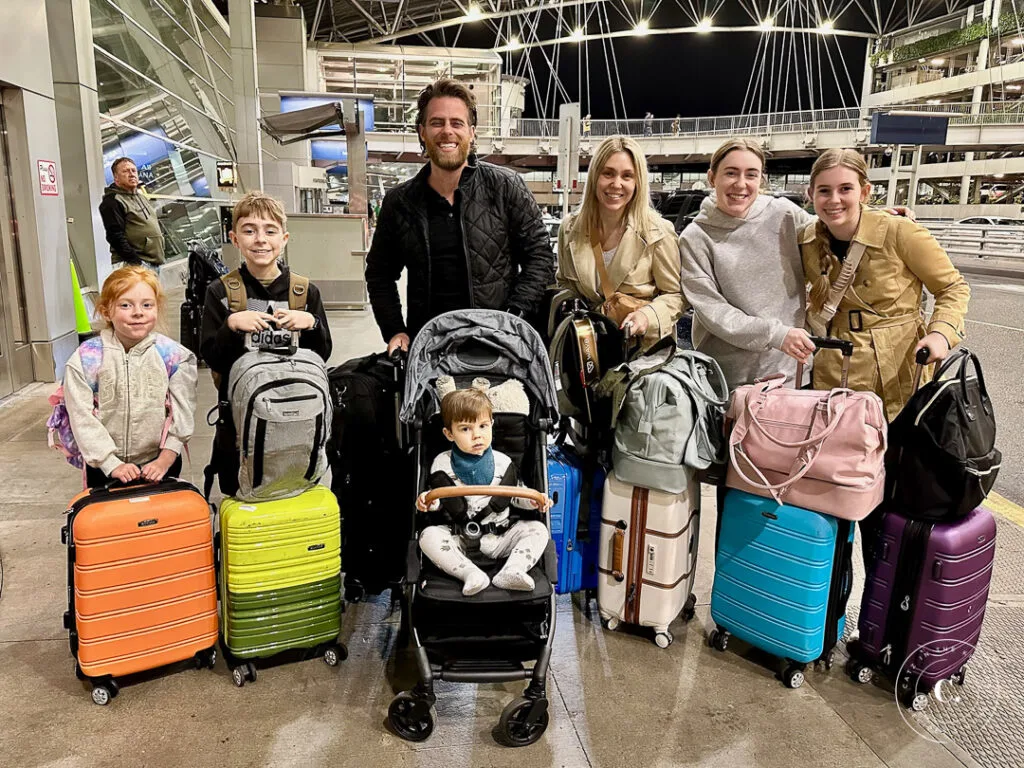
[[668, 408]]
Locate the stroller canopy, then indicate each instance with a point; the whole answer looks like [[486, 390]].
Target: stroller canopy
[[476, 342]]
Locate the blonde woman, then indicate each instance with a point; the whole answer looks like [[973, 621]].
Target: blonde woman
[[881, 311], [741, 271], [616, 253]]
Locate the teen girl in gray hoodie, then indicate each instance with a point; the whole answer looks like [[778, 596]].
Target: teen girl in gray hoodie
[[742, 271]]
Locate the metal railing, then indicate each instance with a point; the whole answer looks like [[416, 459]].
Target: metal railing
[[980, 241], [763, 123]]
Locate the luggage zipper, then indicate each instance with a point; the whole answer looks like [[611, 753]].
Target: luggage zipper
[[638, 525], [906, 583], [315, 453]]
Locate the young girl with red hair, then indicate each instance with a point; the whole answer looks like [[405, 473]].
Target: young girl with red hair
[[130, 393]]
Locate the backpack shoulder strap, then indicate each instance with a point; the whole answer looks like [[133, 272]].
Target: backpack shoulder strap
[[170, 353], [298, 291], [235, 289], [90, 352]]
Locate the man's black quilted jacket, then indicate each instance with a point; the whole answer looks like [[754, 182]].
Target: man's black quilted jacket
[[507, 249]]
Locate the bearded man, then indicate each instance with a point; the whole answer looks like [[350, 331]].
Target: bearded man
[[469, 233]]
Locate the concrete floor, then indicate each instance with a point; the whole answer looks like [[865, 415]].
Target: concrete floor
[[616, 699]]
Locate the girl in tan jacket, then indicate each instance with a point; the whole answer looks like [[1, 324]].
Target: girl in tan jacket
[[616, 253], [130, 393], [881, 311]]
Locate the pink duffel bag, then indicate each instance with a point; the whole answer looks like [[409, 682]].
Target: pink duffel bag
[[820, 450]]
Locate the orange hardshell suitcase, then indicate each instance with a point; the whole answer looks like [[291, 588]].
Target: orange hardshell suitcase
[[142, 590]]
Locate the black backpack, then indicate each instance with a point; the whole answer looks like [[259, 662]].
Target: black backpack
[[203, 268], [370, 474], [942, 460]]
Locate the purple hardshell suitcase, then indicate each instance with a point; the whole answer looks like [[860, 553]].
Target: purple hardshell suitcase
[[924, 602]]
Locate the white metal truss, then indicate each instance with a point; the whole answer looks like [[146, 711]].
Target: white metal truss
[[799, 44]]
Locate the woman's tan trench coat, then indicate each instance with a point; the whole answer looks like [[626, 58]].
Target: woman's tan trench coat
[[645, 266], [882, 312]]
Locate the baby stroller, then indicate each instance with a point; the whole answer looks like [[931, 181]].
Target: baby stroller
[[492, 636]]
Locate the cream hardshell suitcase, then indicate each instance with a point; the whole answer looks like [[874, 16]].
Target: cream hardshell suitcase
[[648, 556]]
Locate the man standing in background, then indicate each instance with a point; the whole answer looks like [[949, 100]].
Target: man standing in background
[[129, 219]]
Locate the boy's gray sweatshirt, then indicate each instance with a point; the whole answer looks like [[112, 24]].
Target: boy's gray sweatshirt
[[745, 280]]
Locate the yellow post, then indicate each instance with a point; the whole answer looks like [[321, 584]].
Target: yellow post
[[82, 324]]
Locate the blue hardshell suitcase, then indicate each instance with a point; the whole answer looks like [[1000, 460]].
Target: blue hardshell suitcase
[[577, 555], [782, 579]]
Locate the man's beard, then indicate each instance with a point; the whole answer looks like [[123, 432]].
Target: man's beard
[[448, 162]]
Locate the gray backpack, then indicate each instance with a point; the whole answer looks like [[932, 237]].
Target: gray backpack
[[282, 412], [668, 408]]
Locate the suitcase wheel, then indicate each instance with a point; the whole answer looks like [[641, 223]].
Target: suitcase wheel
[[663, 639], [828, 660], [610, 623], [207, 658], [244, 672], [334, 653], [103, 692], [523, 721], [860, 673], [409, 715], [793, 676], [718, 639], [689, 609], [915, 700]]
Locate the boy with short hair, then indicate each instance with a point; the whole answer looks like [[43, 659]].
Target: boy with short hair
[[260, 292], [468, 421]]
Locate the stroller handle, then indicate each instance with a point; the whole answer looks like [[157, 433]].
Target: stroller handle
[[506, 491]]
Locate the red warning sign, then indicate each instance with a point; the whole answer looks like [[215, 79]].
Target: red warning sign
[[47, 177]]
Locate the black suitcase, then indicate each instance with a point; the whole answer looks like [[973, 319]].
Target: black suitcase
[[371, 474], [188, 334]]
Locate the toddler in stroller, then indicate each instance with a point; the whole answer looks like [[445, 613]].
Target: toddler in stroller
[[498, 634], [483, 521]]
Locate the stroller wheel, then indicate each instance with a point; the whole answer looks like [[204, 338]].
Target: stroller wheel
[[410, 716], [523, 721]]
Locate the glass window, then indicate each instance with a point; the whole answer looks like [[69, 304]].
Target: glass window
[[166, 54], [185, 222]]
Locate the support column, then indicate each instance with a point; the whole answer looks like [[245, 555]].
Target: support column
[[915, 168], [247, 105], [69, 27], [355, 140], [894, 176], [990, 13]]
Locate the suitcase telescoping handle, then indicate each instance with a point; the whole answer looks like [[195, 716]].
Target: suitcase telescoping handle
[[618, 545], [921, 358], [505, 491], [822, 342]]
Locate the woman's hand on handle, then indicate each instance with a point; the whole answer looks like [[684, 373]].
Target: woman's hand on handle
[[936, 345], [635, 324], [798, 345]]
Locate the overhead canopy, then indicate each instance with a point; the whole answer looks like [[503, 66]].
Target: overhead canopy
[[302, 124]]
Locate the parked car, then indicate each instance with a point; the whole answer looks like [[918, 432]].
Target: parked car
[[1001, 221], [552, 224]]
